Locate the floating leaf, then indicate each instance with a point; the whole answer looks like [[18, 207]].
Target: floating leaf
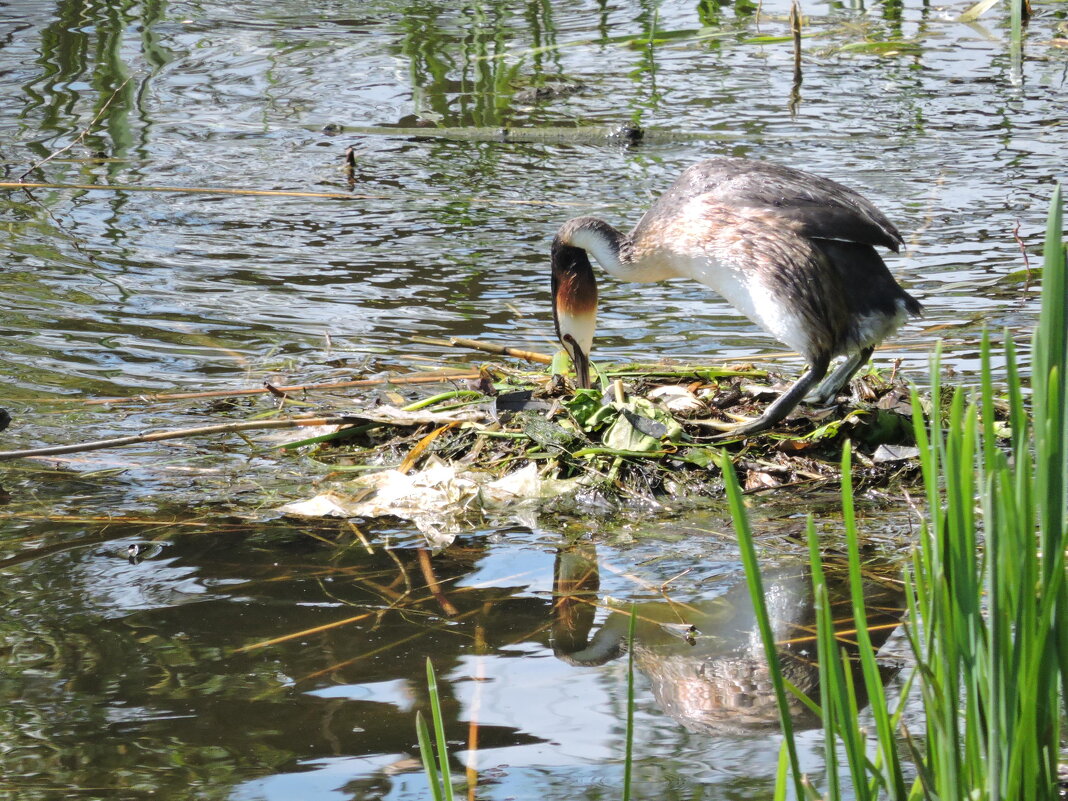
[[895, 453], [702, 457], [894, 48], [624, 436], [547, 433], [1032, 276], [641, 426], [676, 399], [767, 39]]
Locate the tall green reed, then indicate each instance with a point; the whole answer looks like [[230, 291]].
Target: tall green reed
[[440, 783], [986, 592]]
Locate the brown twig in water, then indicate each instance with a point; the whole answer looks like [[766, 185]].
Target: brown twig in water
[[1023, 250], [434, 585], [305, 633], [795, 29], [417, 450], [486, 347], [423, 378], [213, 190], [158, 436], [367, 656]]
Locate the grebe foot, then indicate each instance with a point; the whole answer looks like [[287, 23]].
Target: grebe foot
[[782, 405], [753, 425]]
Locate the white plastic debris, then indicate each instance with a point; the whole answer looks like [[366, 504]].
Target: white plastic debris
[[676, 399], [436, 498]]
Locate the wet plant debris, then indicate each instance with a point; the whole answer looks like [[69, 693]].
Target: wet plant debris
[[649, 435]]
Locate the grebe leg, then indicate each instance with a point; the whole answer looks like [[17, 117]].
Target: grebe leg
[[825, 393]]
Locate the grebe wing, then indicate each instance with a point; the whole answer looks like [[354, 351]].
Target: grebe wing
[[824, 209]]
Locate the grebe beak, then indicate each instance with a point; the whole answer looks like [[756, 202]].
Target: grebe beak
[[579, 359], [574, 306]]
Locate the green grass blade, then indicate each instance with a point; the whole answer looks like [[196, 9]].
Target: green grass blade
[[824, 650], [782, 774], [426, 753], [1050, 366], [760, 609], [893, 780], [439, 730]]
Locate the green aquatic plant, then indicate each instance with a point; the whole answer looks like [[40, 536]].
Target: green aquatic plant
[[440, 782]]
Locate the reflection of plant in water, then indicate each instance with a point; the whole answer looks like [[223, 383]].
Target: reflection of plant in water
[[472, 74], [85, 44], [457, 71]]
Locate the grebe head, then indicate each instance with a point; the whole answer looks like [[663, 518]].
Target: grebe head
[[574, 303]]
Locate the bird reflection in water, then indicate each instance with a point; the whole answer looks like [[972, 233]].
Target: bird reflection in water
[[704, 658]]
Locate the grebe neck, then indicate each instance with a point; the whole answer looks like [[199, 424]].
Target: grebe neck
[[610, 247]]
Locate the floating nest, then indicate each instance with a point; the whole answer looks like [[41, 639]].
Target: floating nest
[[652, 435]]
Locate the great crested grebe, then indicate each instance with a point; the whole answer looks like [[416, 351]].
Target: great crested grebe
[[793, 252]]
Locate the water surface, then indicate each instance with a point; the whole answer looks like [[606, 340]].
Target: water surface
[[126, 677]]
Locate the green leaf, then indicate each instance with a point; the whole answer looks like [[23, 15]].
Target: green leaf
[[641, 426], [623, 435], [604, 415], [702, 457], [583, 406], [426, 753], [974, 12], [882, 427], [893, 48], [560, 363], [830, 430]]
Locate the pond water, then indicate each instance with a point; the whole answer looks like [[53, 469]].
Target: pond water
[[240, 656]]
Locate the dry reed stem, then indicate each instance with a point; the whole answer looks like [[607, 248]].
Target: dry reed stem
[[222, 190], [84, 133], [487, 347], [795, 30], [419, 447], [434, 585], [474, 713], [315, 630], [376, 651], [157, 436], [423, 378]]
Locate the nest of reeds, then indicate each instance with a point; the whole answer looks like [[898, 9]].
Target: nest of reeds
[[651, 435]]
